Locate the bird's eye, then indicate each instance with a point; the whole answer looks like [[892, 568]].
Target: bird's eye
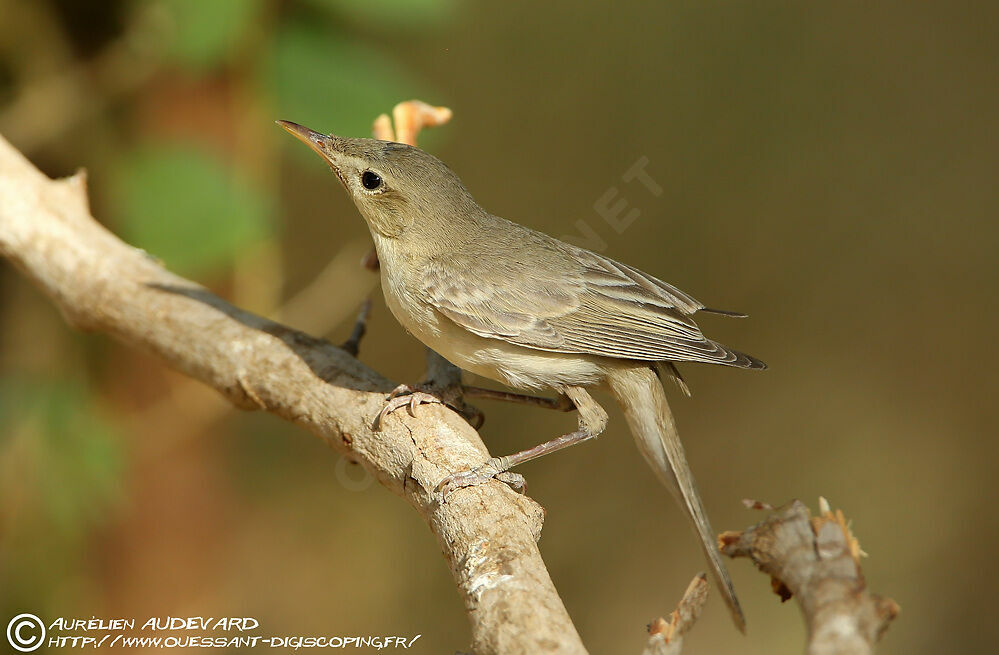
[[371, 181]]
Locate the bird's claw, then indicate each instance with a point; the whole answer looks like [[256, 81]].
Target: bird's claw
[[408, 397], [491, 470], [412, 397]]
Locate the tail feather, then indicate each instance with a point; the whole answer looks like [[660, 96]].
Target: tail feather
[[639, 392], [669, 371]]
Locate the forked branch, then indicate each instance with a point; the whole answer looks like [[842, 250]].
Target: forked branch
[[817, 561]]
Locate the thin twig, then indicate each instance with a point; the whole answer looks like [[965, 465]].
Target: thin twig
[[353, 344], [666, 637]]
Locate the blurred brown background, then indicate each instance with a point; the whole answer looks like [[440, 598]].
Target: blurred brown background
[[829, 170]]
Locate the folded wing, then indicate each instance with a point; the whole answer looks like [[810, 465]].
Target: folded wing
[[573, 301]]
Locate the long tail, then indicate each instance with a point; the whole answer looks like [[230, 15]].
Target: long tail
[[641, 396]]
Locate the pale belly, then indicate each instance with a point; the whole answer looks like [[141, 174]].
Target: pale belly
[[513, 365]]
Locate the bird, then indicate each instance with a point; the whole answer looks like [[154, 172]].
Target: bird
[[530, 311]]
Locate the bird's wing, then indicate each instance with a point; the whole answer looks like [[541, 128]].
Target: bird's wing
[[572, 301]]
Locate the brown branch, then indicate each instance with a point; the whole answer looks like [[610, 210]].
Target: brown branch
[[487, 533], [817, 560], [666, 637]]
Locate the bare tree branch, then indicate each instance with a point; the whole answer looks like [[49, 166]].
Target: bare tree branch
[[817, 560], [666, 637], [487, 533]]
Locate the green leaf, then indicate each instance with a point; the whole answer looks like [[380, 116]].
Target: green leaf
[[333, 84], [392, 13], [181, 205], [76, 451], [207, 30]]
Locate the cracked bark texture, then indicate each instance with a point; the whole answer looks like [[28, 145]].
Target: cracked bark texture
[[487, 533]]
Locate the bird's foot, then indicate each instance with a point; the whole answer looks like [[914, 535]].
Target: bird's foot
[[405, 396], [412, 397], [494, 469]]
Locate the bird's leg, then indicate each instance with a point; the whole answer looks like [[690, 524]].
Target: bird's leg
[[442, 387], [561, 404], [592, 421]]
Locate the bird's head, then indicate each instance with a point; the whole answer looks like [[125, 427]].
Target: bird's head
[[393, 185]]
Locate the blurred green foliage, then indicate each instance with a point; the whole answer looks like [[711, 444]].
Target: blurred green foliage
[[80, 455], [74, 461], [206, 33], [391, 14], [181, 205], [331, 82], [60, 454]]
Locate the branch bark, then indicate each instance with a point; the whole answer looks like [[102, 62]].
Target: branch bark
[[487, 533], [817, 561], [666, 637]]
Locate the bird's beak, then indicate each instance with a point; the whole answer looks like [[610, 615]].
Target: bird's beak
[[321, 143]]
